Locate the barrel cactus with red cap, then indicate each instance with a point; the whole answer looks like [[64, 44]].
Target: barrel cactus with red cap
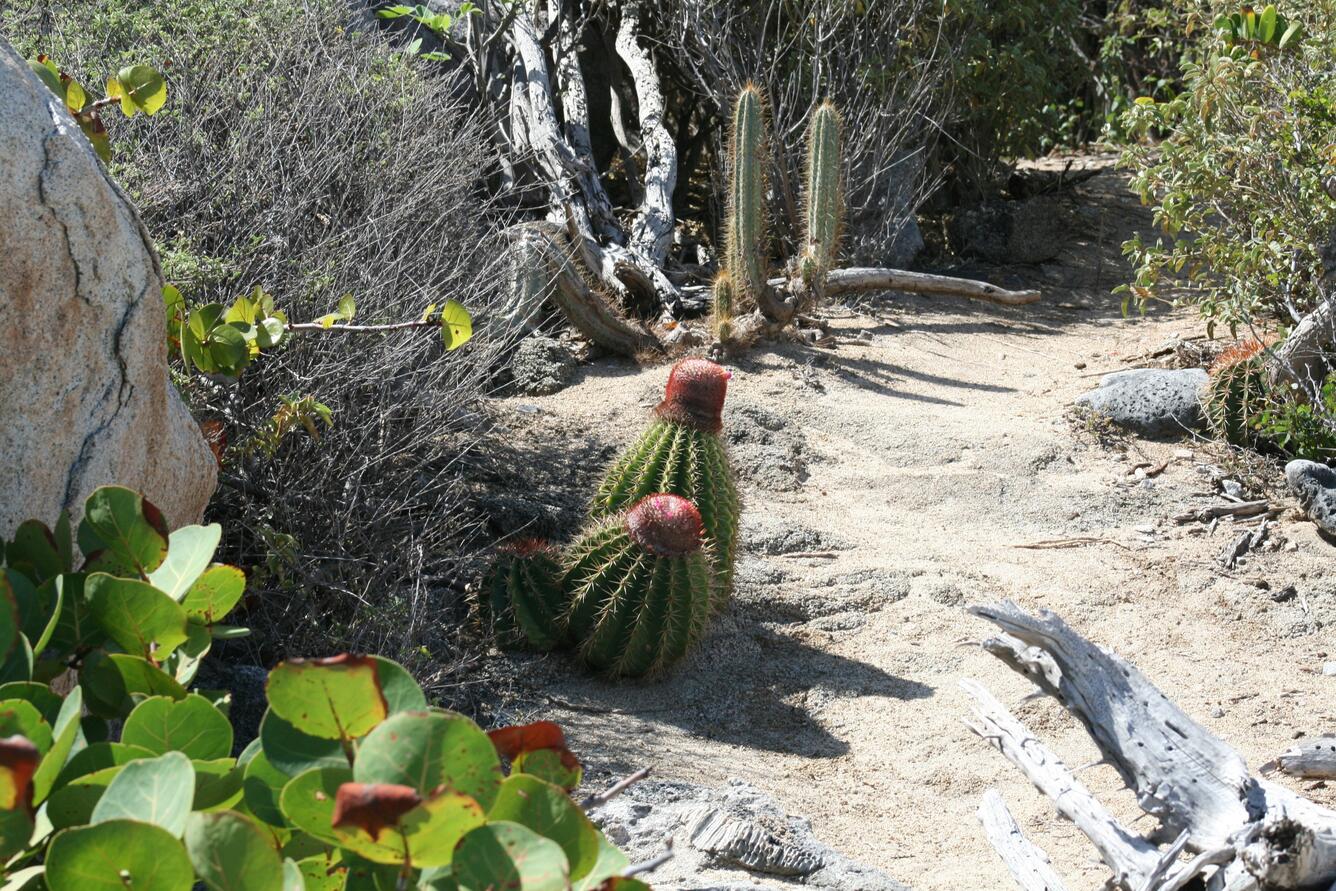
[[682, 453], [640, 586], [521, 600]]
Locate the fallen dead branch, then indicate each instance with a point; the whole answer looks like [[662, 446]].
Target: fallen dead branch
[[1216, 511], [1242, 831], [1027, 863], [1313, 759], [1077, 542], [855, 279]]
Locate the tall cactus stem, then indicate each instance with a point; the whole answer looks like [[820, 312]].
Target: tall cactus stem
[[724, 306], [682, 453], [747, 247], [641, 586], [824, 211]]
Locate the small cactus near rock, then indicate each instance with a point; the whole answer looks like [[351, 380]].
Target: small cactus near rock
[[747, 249], [682, 453], [640, 586], [1237, 392], [521, 598]]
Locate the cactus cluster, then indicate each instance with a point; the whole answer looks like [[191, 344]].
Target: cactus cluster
[[634, 592], [743, 277]]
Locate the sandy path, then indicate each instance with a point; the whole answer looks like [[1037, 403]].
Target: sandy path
[[923, 455]]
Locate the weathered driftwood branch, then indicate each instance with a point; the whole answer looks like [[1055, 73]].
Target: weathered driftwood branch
[[591, 312], [1312, 759], [1027, 863], [1131, 857], [1247, 833], [846, 281], [652, 229]]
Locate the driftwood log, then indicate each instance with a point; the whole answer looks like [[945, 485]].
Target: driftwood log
[[528, 70], [1313, 759], [1220, 827]]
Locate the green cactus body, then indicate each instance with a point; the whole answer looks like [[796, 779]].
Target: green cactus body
[[746, 249], [825, 201], [641, 586], [723, 306], [682, 453], [522, 599]]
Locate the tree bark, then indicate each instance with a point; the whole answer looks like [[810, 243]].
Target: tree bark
[[1027, 863]]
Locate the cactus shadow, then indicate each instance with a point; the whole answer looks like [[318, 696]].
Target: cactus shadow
[[752, 686], [886, 379]]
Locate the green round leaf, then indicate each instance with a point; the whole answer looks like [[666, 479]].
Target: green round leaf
[[113, 684], [9, 616], [547, 810], [192, 726], [16, 829], [19, 664], [293, 752], [456, 325], [428, 750], [122, 533], [214, 594], [611, 862], [217, 784], [73, 803], [232, 853], [190, 549], [19, 717], [507, 855], [338, 698], [65, 733], [155, 790], [140, 88], [322, 873], [99, 756], [40, 695], [39, 553], [429, 832], [142, 620], [117, 855], [557, 766], [308, 801], [261, 785], [402, 693]]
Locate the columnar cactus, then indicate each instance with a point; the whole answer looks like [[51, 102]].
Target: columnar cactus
[[640, 586], [746, 250], [824, 212], [723, 306], [522, 598], [682, 453]]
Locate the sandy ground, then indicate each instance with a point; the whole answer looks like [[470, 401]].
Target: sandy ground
[[888, 483]]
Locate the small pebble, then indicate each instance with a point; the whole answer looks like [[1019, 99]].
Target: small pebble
[[1217, 712], [1232, 488], [1329, 669]]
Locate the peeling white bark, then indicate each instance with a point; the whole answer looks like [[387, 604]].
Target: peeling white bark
[[1311, 759], [1027, 863]]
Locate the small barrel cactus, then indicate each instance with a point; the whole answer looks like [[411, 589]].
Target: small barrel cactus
[[682, 453], [521, 598], [641, 586]]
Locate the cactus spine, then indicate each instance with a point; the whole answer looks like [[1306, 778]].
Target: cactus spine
[[746, 249], [825, 202], [522, 599], [640, 587], [682, 453]]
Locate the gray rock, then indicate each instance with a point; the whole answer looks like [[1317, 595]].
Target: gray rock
[[722, 837], [1315, 486], [1006, 232], [882, 227], [85, 398], [1151, 401], [542, 366]]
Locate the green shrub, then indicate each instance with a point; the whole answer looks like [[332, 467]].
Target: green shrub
[[1237, 187], [128, 780], [301, 152]]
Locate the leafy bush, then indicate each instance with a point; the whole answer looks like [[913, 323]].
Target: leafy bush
[[353, 781], [1237, 187], [301, 153]]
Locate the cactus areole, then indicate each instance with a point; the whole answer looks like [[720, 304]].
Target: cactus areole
[[695, 395], [666, 525]]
